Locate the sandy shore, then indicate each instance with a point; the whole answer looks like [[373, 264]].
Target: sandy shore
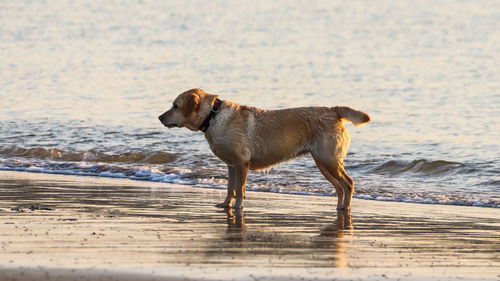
[[58, 227]]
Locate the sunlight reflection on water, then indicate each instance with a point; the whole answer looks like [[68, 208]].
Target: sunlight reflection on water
[[71, 72]]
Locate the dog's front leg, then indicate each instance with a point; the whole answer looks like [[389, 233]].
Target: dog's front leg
[[241, 172], [230, 189]]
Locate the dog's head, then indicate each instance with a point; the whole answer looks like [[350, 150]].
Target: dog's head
[[188, 110]]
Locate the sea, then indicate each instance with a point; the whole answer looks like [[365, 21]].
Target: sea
[[83, 82]]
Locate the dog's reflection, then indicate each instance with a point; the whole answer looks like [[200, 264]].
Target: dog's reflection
[[336, 236], [341, 233], [342, 226], [235, 224]]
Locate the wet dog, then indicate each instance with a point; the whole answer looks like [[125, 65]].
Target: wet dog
[[246, 138]]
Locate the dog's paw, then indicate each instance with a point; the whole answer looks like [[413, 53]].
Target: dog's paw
[[223, 205]]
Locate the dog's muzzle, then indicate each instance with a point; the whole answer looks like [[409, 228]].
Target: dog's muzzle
[[161, 117]]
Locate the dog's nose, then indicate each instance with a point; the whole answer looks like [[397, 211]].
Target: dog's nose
[[160, 117]]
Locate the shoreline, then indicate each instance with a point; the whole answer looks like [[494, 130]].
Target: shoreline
[[106, 228], [249, 189]]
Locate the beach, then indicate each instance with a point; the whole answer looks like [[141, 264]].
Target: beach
[[94, 187], [60, 227]]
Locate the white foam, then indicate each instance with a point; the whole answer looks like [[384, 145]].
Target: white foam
[[185, 177], [141, 173], [112, 175], [87, 165]]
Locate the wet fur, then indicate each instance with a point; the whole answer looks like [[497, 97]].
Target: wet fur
[[251, 138]]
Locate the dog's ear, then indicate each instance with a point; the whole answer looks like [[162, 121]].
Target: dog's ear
[[191, 103]]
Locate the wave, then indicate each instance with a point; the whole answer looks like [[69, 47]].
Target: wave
[[371, 176], [492, 183], [392, 167], [424, 167], [217, 179], [88, 156]]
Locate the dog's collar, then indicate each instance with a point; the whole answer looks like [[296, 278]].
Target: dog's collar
[[215, 109]]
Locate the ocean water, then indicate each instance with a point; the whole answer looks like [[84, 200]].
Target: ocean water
[[82, 84]]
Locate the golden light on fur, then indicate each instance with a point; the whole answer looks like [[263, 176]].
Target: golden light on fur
[[247, 137]]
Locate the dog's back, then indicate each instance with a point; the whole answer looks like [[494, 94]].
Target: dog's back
[[274, 136]]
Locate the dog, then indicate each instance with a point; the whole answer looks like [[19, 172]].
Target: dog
[[247, 137]]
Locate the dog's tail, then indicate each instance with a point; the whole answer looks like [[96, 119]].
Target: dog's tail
[[358, 118]]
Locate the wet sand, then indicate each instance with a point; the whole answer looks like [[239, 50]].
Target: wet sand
[[58, 227]]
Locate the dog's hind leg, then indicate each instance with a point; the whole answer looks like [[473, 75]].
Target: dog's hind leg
[[331, 173], [231, 194], [349, 184]]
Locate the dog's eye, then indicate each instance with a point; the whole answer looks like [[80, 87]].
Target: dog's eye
[[175, 106]]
